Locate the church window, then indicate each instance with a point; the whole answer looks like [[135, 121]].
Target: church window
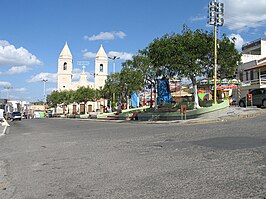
[[65, 66], [101, 67]]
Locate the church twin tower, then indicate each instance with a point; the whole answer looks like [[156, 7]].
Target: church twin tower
[[65, 71]]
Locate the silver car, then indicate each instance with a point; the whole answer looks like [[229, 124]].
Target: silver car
[[258, 98]]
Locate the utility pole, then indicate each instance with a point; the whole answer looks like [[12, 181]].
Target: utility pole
[[216, 18]]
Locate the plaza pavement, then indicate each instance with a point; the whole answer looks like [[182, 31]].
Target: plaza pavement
[[1, 128], [229, 113]]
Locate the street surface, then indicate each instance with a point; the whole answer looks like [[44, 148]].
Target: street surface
[[62, 158]]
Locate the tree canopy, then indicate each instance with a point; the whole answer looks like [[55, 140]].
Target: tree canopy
[[82, 94], [190, 54]]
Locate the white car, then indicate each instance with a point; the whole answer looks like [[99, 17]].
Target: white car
[[16, 116]]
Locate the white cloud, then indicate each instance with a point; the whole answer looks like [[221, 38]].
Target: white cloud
[[198, 18], [4, 43], [106, 36], [13, 97], [51, 77], [89, 55], [12, 56], [49, 90], [242, 15], [17, 70], [239, 41], [76, 74], [20, 90], [5, 84], [121, 55], [78, 71]]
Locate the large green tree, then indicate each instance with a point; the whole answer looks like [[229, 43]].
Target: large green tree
[[228, 57], [53, 99], [190, 55], [139, 73], [131, 78], [84, 94], [112, 87]]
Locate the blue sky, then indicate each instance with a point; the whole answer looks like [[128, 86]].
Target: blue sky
[[33, 33]]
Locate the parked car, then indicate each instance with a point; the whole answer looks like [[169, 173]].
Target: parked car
[[258, 98], [49, 114], [16, 116]]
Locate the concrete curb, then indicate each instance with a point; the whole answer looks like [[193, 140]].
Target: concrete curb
[[186, 122]]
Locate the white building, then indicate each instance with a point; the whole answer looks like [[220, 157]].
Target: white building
[[252, 71], [65, 71]]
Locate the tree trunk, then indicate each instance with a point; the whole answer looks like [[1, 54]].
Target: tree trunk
[[155, 97], [195, 88], [151, 96], [127, 102]]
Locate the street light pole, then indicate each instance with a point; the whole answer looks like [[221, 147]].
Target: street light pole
[[216, 18], [215, 64], [113, 58], [7, 91], [44, 89]]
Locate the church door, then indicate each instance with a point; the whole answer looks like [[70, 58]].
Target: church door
[[101, 108], [74, 109], [64, 109], [82, 108], [90, 108]]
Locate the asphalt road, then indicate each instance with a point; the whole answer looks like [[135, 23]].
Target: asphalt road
[[60, 158]]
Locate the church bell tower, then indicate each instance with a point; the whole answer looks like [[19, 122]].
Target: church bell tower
[[101, 68], [65, 65]]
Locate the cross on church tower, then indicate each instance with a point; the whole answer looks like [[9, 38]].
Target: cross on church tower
[[83, 64]]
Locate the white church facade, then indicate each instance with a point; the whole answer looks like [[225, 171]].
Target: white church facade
[[65, 71], [65, 80]]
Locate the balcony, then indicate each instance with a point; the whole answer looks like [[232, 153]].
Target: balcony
[[255, 83]]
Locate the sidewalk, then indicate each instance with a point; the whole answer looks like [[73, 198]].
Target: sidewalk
[[229, 113]]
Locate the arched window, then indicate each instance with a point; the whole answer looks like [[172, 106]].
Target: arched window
[[65, 66], [101, 67]]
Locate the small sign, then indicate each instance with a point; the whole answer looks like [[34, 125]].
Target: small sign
[[249, 97], [183, 109]]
